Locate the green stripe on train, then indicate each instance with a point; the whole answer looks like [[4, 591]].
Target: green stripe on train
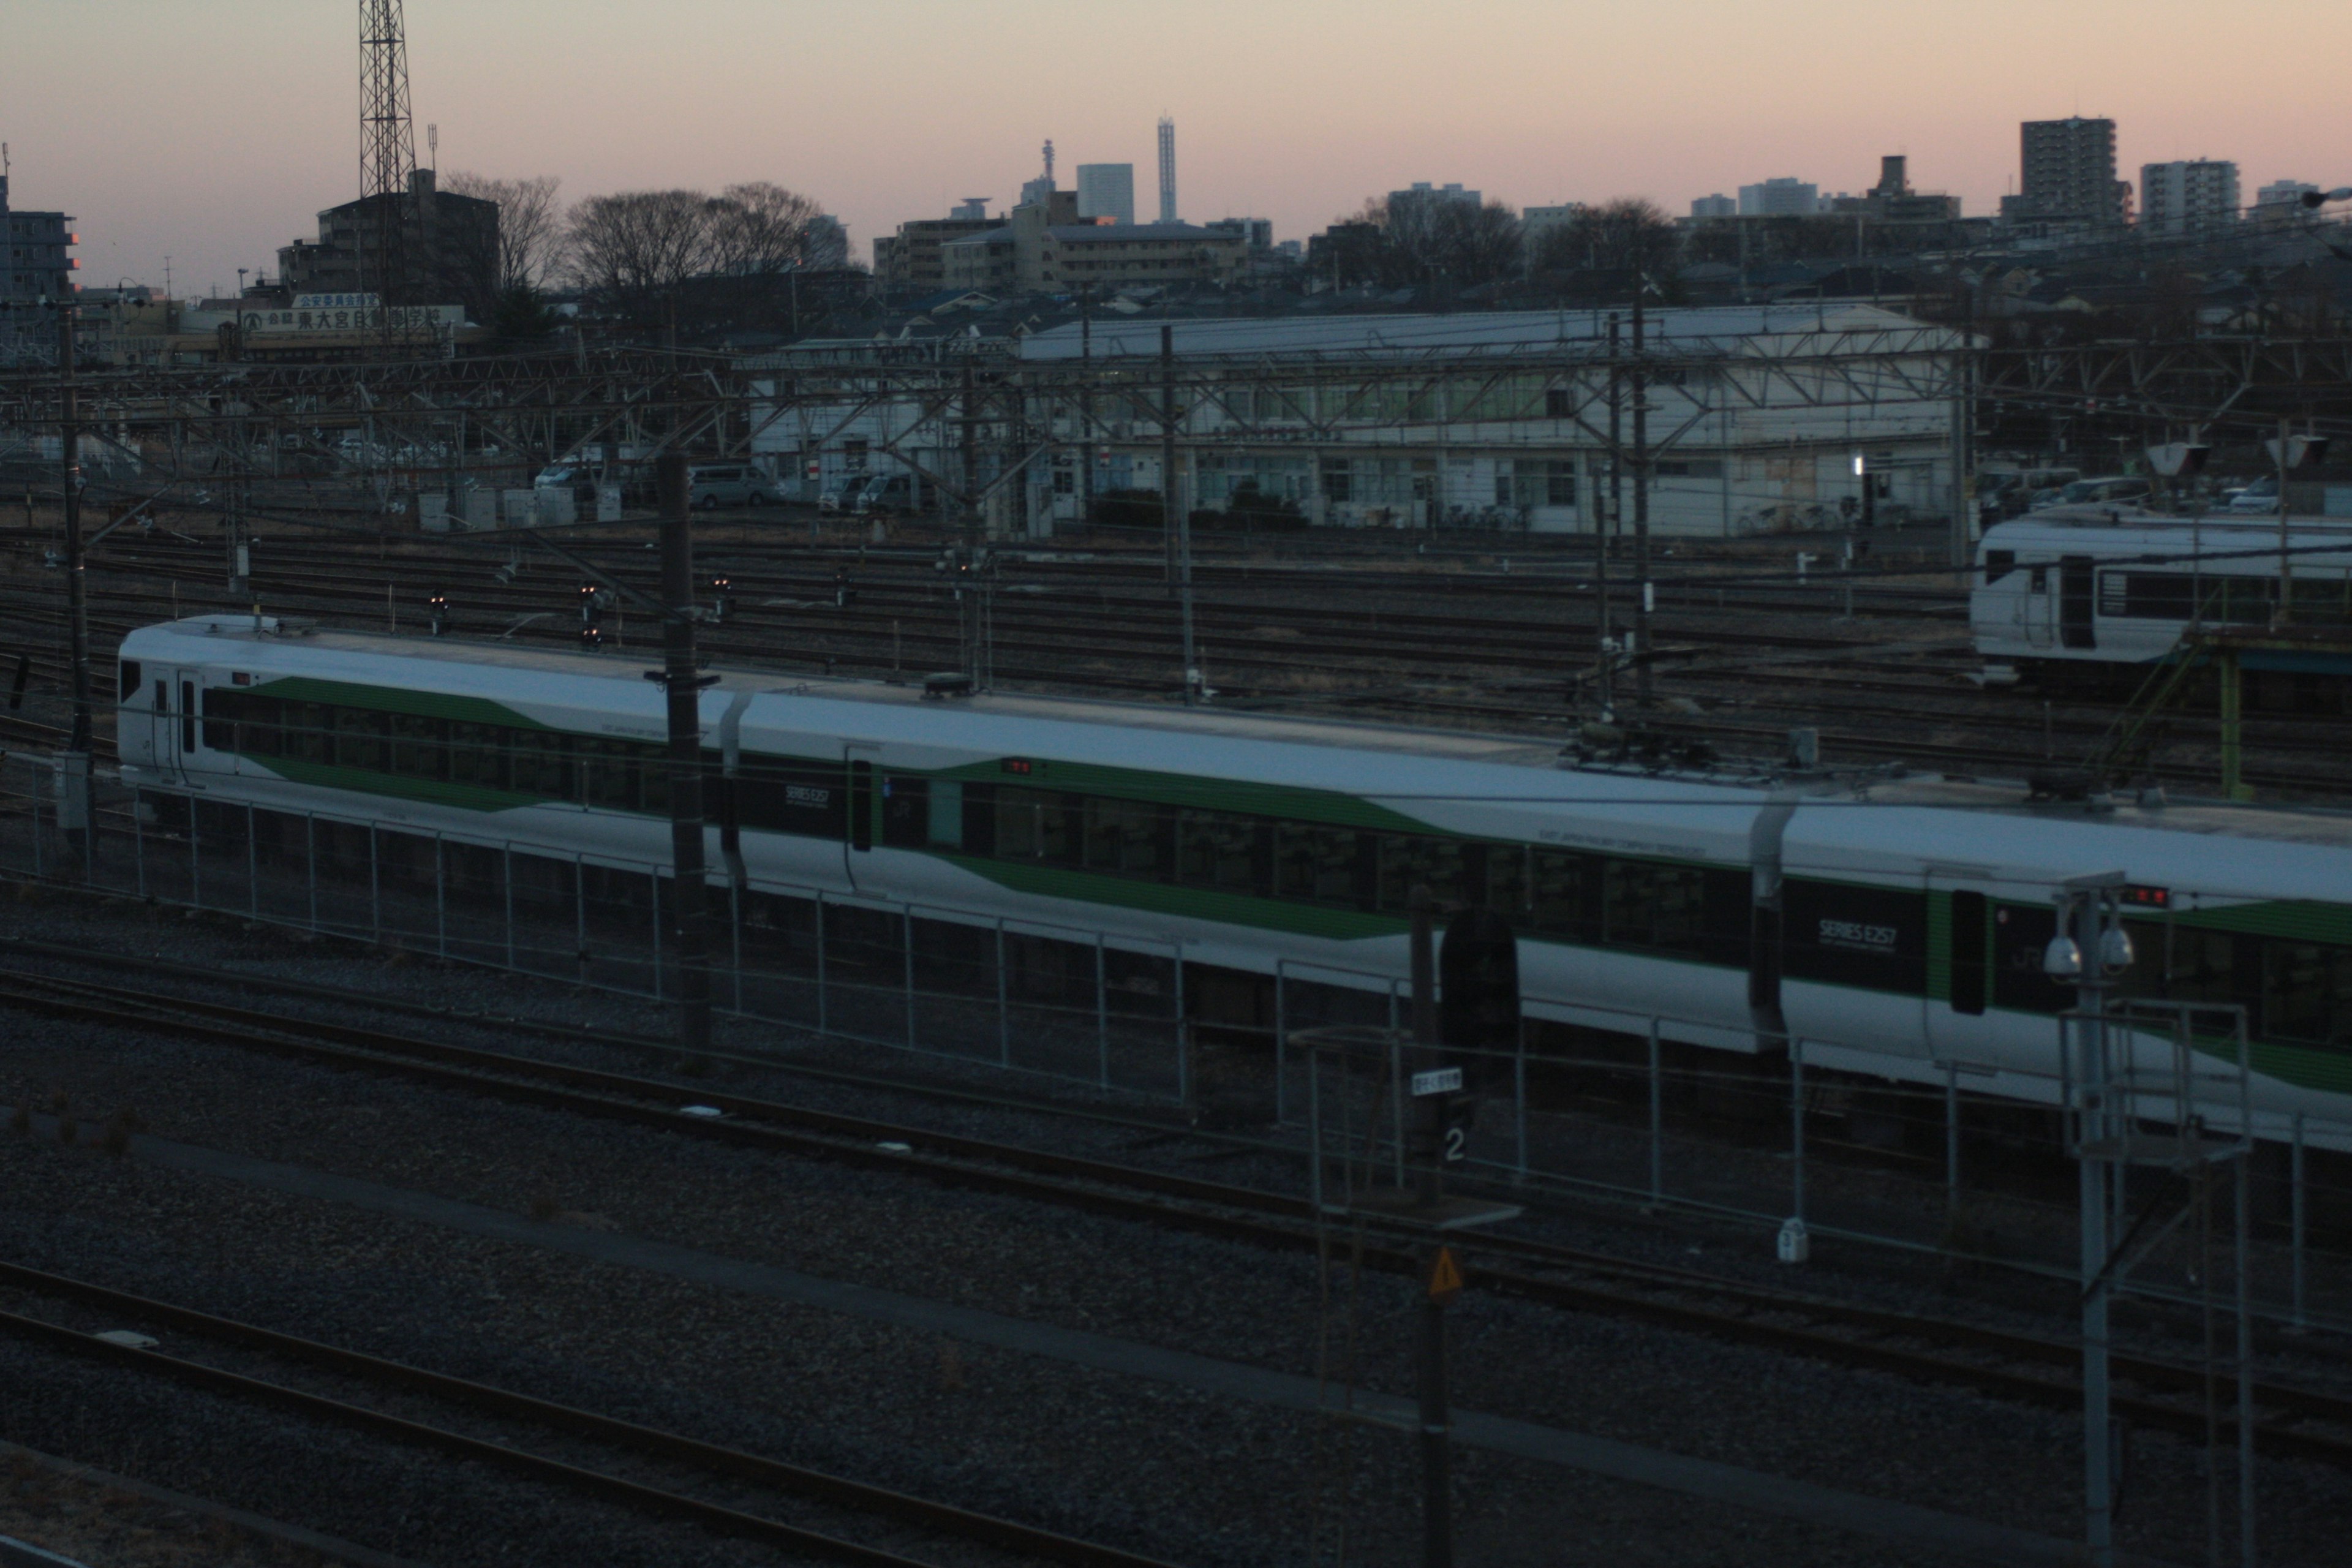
[[1192, 790], [394, 699]]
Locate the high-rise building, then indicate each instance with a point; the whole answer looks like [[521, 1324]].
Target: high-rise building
[[1106, 190], [439, 247], [1716, 206], [2067, 174], [2281, 202], [1167, 170], [2188, 197], [1784, 197], [971, 209], [34, 266]]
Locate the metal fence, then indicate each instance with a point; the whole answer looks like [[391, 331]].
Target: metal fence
[[1024, 996], [1613, 1106]]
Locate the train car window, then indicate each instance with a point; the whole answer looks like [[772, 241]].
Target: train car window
[[362, 735], [220, 723], [1035, 824], [653, 776], [1563, 893], [1646, 904], [477, 754], [187, 716], [2148, 596], [130, 679], [2307, 994], [418, 746], [906, 812], [806, 798], [946, 815], [2321, 601], [1221, 850], [1848, 935], [1125, 836], [1506, 881], [302, 733], [541, 761], [1409, 861], [1998, 564], [1968, 956], [1318, 865], [162, 698], [2242, 601], [2037, 580], [608, 773], [980, 819]]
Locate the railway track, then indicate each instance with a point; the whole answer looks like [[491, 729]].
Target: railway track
[[1466, 649], [680, 1460], [2291, 1420]]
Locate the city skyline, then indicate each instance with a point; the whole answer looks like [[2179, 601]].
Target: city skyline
[[247, 124]]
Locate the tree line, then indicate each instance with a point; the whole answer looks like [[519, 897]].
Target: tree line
[[1416, 239], [634, 245]]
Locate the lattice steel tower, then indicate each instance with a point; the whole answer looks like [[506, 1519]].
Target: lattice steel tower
[[387, 134]]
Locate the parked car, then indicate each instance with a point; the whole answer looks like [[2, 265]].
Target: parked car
[[2093, 493], [892, 495], [842, 495], [713, 485], [2260, 498]]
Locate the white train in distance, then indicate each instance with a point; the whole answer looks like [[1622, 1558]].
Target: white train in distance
[[2095, 594], [1908, 936]]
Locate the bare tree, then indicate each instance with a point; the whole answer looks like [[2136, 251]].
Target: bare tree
[[530, 231], [1435, 236], [639, 243], [1628, 234], [759, 228]]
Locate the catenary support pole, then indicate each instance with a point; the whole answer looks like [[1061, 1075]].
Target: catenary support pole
[[1644, 590], [689, 897], [1167, 446], [74, 787]]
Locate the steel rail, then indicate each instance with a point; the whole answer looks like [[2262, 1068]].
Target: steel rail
[[1219, 1209], [651, 1442]]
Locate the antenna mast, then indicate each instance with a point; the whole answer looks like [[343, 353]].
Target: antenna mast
[[1049, 160]]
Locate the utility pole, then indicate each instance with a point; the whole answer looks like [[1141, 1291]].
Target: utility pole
[[683, 683], [1085, 404], [2284, 614], [1608, 668], [1437, 1445], [970, 576], [74, 814], [1168, 445], [1640, 502]]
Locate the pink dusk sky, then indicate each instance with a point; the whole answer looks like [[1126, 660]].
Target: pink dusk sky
[[213, 131]]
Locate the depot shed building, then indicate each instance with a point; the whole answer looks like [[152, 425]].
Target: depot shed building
[[1757, 416]]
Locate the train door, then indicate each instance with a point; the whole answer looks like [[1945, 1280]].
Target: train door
[[2036, 616], [174, 701], [2076, 603], [1957, 1028], [865, 791]]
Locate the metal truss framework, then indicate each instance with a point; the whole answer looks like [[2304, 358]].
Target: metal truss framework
[[430, 421]]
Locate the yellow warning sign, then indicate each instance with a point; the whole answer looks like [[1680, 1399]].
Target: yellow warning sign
[[1444, 1276]]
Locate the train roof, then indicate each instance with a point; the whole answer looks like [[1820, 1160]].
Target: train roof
[[1909, 815], [2110, 531]]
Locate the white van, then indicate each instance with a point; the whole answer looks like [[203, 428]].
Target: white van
[[713, 485]]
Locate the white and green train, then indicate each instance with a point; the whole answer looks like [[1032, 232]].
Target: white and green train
[[1908, 933]]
